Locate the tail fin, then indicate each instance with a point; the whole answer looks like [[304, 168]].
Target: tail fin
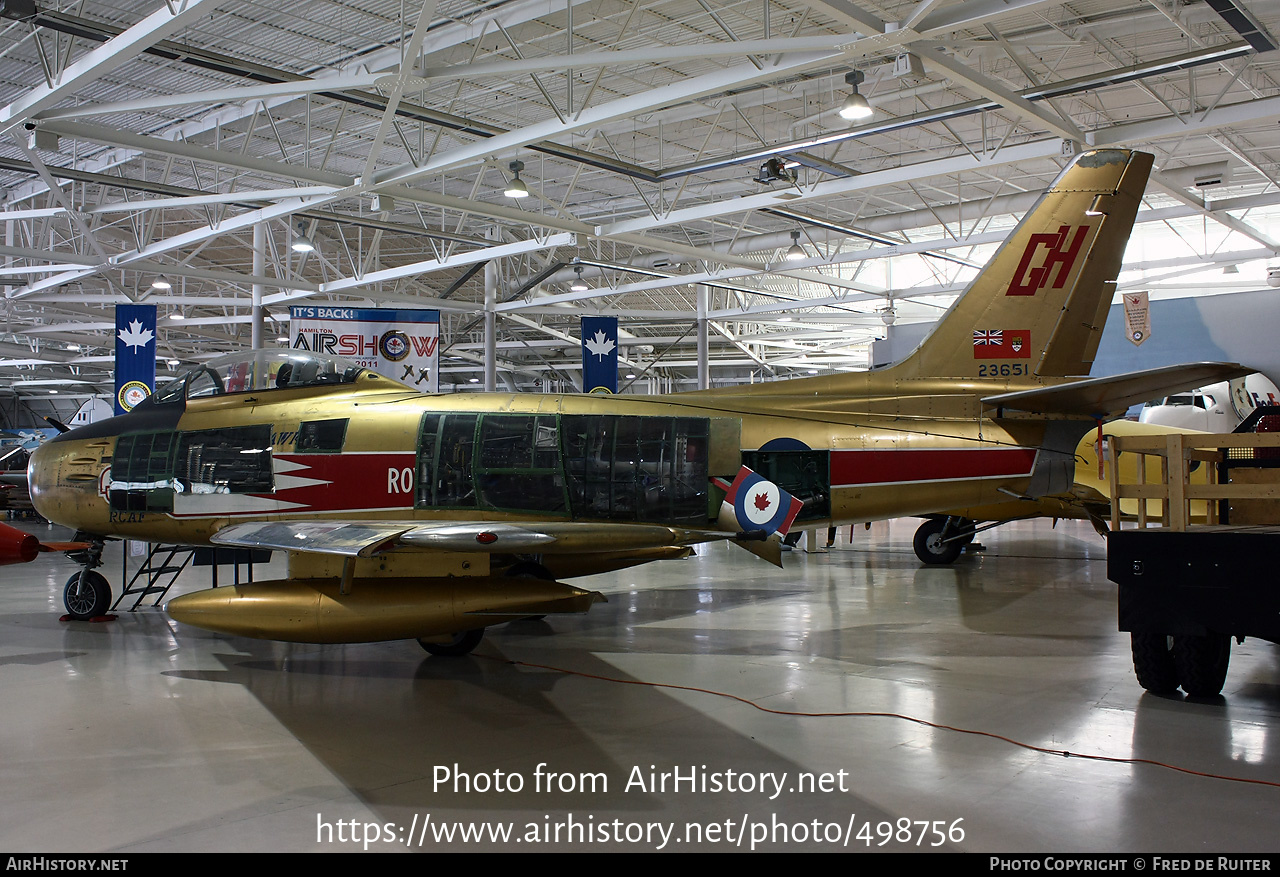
[[1042, 300]]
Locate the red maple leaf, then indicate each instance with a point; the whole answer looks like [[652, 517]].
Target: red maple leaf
[[762, 501]]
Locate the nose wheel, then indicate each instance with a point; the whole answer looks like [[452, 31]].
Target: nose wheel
[[87, 595]]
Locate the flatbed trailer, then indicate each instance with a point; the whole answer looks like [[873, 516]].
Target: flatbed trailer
[[1195, 567]]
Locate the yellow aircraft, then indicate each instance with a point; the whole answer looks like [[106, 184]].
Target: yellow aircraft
[[408, 516]]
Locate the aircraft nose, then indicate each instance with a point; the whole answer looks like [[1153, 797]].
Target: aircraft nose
[[40, 476]]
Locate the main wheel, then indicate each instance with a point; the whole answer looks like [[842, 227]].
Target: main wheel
[[1202, 663], [1153, 662], [461, 645], [87, 595], [929, 545]]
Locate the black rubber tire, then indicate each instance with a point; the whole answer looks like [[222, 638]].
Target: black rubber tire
[[929, 545], [87, 595], [460, 646], [1153, 662], [1202, 663]]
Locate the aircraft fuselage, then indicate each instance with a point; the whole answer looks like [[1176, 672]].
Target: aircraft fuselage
[[180, 471]]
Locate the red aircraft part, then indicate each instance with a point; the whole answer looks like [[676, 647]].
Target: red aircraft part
[[19, 547]]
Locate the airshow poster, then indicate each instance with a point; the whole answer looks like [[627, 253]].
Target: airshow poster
[[400, 343]]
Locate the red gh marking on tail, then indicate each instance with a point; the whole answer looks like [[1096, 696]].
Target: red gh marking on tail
[[762, 501], [1061, 256]]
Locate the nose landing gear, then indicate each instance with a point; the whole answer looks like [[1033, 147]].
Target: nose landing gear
[[87, 593]]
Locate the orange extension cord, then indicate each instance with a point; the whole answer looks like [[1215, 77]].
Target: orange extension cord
[[1041, 749]]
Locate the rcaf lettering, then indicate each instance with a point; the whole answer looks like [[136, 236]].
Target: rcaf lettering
[[1061, 256], [400, 480]]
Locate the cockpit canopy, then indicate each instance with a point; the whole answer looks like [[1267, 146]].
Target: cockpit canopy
[[261, 370]]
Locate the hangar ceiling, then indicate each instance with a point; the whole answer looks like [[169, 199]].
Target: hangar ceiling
[[199, 140]]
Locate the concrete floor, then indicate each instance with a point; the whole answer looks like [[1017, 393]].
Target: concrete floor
[[140, 735]]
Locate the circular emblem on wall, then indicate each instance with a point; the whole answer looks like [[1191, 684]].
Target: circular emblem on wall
[[1137, 334], [394, 345], [600, 391], [131, 394]]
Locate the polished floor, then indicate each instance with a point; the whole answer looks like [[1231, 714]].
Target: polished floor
[[140, 735]]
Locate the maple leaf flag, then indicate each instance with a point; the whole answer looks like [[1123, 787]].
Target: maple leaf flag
[[599, 354], [135, 335], [599, 345]]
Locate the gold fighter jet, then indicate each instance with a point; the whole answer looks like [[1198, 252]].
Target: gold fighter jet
[[407, 516]]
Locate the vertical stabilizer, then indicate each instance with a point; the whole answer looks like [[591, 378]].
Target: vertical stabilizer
[[1040, 304]]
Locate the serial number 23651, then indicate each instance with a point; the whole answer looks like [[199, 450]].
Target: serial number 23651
[[1003, 370]]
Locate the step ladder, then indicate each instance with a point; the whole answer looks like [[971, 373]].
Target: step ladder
[[156, 575]]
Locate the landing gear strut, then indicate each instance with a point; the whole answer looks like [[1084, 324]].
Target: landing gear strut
[[88, 593]]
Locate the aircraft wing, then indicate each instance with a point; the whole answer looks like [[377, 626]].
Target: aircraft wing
[[1099, 397], [369, 538]]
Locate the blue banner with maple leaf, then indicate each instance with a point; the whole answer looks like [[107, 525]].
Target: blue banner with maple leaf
[[599, 354], [135, 355]]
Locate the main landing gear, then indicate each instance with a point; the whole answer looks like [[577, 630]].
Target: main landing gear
[[87, 593], [940, 540], [461, 645]]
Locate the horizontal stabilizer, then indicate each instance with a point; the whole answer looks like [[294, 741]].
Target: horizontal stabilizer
[[1101, 397]]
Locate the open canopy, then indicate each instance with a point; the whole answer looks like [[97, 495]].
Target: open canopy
[[260, 371]]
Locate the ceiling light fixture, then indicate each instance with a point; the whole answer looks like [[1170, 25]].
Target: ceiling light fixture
[[516, 188], [161, 282], [855, 106], [578, 284], [795, 252], [301, 243]]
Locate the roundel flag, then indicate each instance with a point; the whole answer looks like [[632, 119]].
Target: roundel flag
[[759, 504]]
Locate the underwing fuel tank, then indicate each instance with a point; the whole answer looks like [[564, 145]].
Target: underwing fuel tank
[[315, 611]]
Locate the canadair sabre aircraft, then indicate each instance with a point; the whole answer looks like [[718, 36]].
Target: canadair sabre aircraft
[[407, 516]]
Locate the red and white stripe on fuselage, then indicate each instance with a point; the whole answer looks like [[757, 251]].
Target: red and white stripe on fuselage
[[866, 468], [307, 483]]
